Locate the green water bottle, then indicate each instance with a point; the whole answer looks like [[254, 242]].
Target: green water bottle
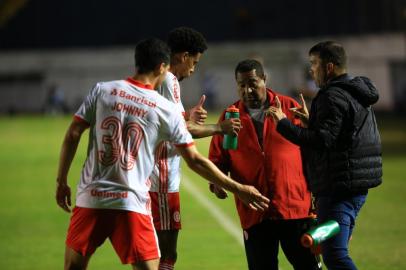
[[318, 234], [316, 250], [231, 141]]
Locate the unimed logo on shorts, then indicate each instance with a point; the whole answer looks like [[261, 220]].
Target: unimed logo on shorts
[[109, 194]]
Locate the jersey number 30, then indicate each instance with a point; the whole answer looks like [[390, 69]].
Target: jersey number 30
[[122, 143]]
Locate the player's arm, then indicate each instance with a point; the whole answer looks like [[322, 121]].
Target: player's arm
[[249, 195], [68, 150], [228, 126], [221, 158], [323, 135]]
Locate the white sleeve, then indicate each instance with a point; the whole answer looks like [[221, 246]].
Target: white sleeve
[[87, 110], [179, 134]]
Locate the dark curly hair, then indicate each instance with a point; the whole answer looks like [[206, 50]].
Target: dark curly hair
[[185, 39]]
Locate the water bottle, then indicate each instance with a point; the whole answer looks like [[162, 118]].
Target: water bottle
[[231, 141], [313, 237]]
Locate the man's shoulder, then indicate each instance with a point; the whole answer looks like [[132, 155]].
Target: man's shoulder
[[109, 85], [286, 98], [337, 87], [170, 76], [333, 97], [163, 102], [170, 80], [282, 98], [166, 105], [170, 88], [334, 92], [112, 83]]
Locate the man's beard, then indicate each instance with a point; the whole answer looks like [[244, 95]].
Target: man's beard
[[322, 78]]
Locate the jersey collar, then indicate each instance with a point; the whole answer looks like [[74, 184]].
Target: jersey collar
[[139, 84]]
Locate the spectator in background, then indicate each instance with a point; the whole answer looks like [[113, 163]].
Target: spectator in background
[[341, 146], [209, 82], [55, 101], [308, 91], [273, 165]]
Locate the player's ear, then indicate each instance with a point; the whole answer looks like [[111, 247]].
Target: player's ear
[[185, 56], [162, 68], [179, 57], [330, 68]]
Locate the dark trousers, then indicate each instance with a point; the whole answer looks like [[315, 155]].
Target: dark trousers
[[344, 211], [262, 244]]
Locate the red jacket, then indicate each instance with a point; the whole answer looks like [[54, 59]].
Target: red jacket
[[276, 171]]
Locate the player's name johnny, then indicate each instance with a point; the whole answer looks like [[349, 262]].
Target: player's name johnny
[[118, 106]]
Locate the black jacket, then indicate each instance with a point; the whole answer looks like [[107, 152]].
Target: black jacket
[[341, 146]]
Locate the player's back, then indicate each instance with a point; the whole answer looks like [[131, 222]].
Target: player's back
[[127, 120]]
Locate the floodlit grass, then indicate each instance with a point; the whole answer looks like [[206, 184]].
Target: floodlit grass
[[33, 228]]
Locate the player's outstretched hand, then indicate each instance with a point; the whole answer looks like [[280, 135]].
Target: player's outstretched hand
[[63, 196], [198, 114], [231, 126], [218, 191], [302, 111], [251, 197]]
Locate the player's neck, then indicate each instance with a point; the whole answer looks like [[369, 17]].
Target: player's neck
[[147, 78], [174, 70]]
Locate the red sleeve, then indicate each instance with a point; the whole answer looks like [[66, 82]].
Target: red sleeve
[[185, 145], [77, 118]]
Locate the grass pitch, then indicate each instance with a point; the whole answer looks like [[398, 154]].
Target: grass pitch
[[33, 228]]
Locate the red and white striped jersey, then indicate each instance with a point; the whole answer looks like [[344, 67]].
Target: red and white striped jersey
[[166, 174], [127, 121]]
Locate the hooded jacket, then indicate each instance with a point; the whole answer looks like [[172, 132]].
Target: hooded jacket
[[341, 146]]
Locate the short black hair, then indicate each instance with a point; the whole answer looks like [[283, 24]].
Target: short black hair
[[149, 53], [330, 52], [248, 65], [185, 39]]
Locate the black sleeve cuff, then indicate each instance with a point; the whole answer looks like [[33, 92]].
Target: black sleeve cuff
[[283, 125]]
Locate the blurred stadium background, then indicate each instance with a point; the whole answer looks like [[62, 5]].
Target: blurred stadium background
[[53, 52], [62, 48]]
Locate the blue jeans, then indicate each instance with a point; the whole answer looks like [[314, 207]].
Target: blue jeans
[[343, 210]]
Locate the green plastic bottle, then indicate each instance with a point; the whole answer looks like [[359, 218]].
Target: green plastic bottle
[[231, 141], [318, 234]]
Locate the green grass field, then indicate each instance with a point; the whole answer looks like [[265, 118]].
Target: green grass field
[[33, 228]]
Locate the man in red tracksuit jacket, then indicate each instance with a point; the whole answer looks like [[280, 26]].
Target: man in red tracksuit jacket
[[273, 165]]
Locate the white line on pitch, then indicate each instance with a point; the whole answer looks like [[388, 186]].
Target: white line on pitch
[[221, 217]]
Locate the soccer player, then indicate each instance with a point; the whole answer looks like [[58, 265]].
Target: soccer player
[[127, 120], [187, 46], [273, 165]]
